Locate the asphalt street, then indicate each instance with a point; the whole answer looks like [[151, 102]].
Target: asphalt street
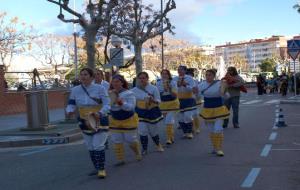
[[257, 156]]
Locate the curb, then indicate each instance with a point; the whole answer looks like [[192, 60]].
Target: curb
[[42, 141]]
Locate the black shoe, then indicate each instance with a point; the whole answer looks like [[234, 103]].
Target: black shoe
[[92, 173], [236, 126], [225, 126]]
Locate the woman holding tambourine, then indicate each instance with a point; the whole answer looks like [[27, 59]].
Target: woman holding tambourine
[[93, 104], [123, 120]]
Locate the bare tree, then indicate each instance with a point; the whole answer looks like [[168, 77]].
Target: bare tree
[[12, 39], [98, 11], [52, 50], [139, 23]]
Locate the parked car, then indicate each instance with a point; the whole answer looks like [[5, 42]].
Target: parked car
[[246, 77]]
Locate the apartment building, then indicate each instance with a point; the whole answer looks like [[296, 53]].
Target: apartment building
[[253, 51]]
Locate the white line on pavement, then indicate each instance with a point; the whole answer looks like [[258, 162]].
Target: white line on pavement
[[272, 101], [296, 144], [252, 102], [294, 125], [250, 179], [286, 149], [36, 151], [273, 136], [266, 150]]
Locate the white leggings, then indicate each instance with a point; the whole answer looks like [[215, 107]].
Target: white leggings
[[169, 119], [121, 137], [186, 117], [96, 141], [146, 128], [215, 126]]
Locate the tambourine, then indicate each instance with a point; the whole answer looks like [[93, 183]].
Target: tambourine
[[92, 122], [113, 96]]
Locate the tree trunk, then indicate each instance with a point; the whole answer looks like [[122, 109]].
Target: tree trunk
[[138, 58], [90, 35]]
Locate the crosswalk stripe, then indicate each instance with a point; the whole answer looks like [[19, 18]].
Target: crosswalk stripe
[[251, 102], [272, 101]]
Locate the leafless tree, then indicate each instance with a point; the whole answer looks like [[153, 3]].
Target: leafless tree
[[15, 38], [138, 23], [52, 50], [98, 12]]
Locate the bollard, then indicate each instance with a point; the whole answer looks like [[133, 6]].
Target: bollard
[[37, 111], [280, 121]]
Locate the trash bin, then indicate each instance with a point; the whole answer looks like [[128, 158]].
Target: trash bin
[[37, 110]]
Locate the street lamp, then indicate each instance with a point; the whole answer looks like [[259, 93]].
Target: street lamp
[[75, 44], [162, 36]]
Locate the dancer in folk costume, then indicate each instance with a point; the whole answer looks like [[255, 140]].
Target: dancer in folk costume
[[196, 117], [214, 111], [147, 108], [185, 84], [91, 100], [123, 120], [99, 79], [169, 102]]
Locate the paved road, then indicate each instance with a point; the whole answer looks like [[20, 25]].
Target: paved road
[[257, 156]]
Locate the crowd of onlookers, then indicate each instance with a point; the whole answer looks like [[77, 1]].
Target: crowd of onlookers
[[280, 84]]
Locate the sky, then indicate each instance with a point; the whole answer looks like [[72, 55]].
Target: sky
[[209, 22]]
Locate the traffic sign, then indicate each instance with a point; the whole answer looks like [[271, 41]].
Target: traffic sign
[[293, 47], [116, 57]]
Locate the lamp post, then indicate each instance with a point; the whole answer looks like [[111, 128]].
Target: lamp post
[[162, 37], [75, 44]]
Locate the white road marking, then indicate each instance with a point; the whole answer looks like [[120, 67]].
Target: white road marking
[[32, 148], [36, 151], [251, 102], [273, 136], [250, 179], [272, 101], [266, 150], [286, 149]]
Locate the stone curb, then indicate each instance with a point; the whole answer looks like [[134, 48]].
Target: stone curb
[[42, 141]]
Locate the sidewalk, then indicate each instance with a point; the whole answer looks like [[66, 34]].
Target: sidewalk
[[291, 100], [20, 120], [11, 134]]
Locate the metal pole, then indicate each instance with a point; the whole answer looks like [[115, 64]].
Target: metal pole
[[162, 37], [75, 44], [295, 85], [75, 55]]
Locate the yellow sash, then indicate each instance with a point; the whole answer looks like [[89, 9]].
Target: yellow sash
[[84, 111], [170, 105], [185, 95], [142, 104]]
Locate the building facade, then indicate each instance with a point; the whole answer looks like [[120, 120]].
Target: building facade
[[253, 52]]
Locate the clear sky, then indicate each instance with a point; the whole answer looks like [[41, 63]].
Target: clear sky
[[202, 21]]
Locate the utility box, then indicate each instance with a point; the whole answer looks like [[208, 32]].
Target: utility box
[[37, 111]]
